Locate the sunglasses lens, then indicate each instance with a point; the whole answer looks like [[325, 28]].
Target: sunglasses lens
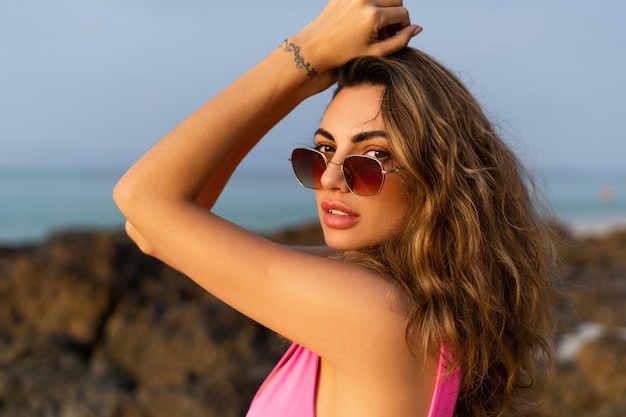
[[308, 166], [363, 175]]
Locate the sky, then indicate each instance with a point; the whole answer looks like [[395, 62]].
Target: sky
[[94, 83]]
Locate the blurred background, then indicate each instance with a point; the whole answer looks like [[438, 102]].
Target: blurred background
[[88, 326], [87, 87]]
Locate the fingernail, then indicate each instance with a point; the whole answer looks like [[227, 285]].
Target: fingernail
[[417, 30]]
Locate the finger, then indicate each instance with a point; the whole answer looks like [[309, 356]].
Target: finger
[[391, 21], [388, 31], [394, 16], [388, 3], [396, 42]]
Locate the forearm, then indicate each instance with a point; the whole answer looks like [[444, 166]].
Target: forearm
[[201, 153], [193, 162]]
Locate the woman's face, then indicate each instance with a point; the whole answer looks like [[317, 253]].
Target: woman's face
[[352, 125]]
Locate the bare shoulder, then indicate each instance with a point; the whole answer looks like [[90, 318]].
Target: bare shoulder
[[349, 315], [382, 381], [380, 372], [327, 305]]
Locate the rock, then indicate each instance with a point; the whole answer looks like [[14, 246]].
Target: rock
[[593, 285], [63, 287], [161, 347], [89, 326], [603, 363]]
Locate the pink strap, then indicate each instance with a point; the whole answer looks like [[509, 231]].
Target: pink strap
[[446, 389], [290, 388]]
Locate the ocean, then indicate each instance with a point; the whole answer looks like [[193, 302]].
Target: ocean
[[37, 202]]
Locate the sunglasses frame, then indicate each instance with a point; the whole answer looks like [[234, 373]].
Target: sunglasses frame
[[343, 173]]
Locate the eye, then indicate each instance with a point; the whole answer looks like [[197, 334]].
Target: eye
[[379, 154], [327, 150]]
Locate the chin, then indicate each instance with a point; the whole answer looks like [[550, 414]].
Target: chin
[[345, 243], [340, 245]]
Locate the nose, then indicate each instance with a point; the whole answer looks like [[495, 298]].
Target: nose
[[332, 178]]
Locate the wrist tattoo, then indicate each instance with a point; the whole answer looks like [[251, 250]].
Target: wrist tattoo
[[300, 62]]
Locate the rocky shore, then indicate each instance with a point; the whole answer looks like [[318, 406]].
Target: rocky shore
[[89, 326]]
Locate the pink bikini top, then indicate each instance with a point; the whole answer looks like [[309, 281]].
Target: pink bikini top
[[291, 392]]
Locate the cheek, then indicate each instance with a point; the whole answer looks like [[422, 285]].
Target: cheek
[[389, 215], [395, 194], [396, 209], [397, 217]]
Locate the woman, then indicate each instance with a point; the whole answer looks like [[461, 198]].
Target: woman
[[433, 292]]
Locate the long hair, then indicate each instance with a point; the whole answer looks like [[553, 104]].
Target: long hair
[[473, 255]]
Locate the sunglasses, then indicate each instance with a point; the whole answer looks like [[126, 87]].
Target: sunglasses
[[363, 174]]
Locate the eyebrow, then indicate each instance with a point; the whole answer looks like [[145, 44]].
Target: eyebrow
[[360, 137]]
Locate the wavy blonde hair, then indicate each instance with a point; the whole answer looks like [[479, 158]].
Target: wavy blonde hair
[[474, 255]]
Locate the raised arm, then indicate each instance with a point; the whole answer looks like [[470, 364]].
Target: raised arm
[[367, 23], [163, 194]]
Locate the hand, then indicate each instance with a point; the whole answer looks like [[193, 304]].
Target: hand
[[349, 28]]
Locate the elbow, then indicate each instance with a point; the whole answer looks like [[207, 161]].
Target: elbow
[[120, 195], [124, 197], [126, 201]]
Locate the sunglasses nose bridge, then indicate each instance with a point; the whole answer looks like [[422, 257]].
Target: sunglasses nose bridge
[[335, 162], [333, 177]]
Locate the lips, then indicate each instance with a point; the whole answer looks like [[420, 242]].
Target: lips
[[338, 216]]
